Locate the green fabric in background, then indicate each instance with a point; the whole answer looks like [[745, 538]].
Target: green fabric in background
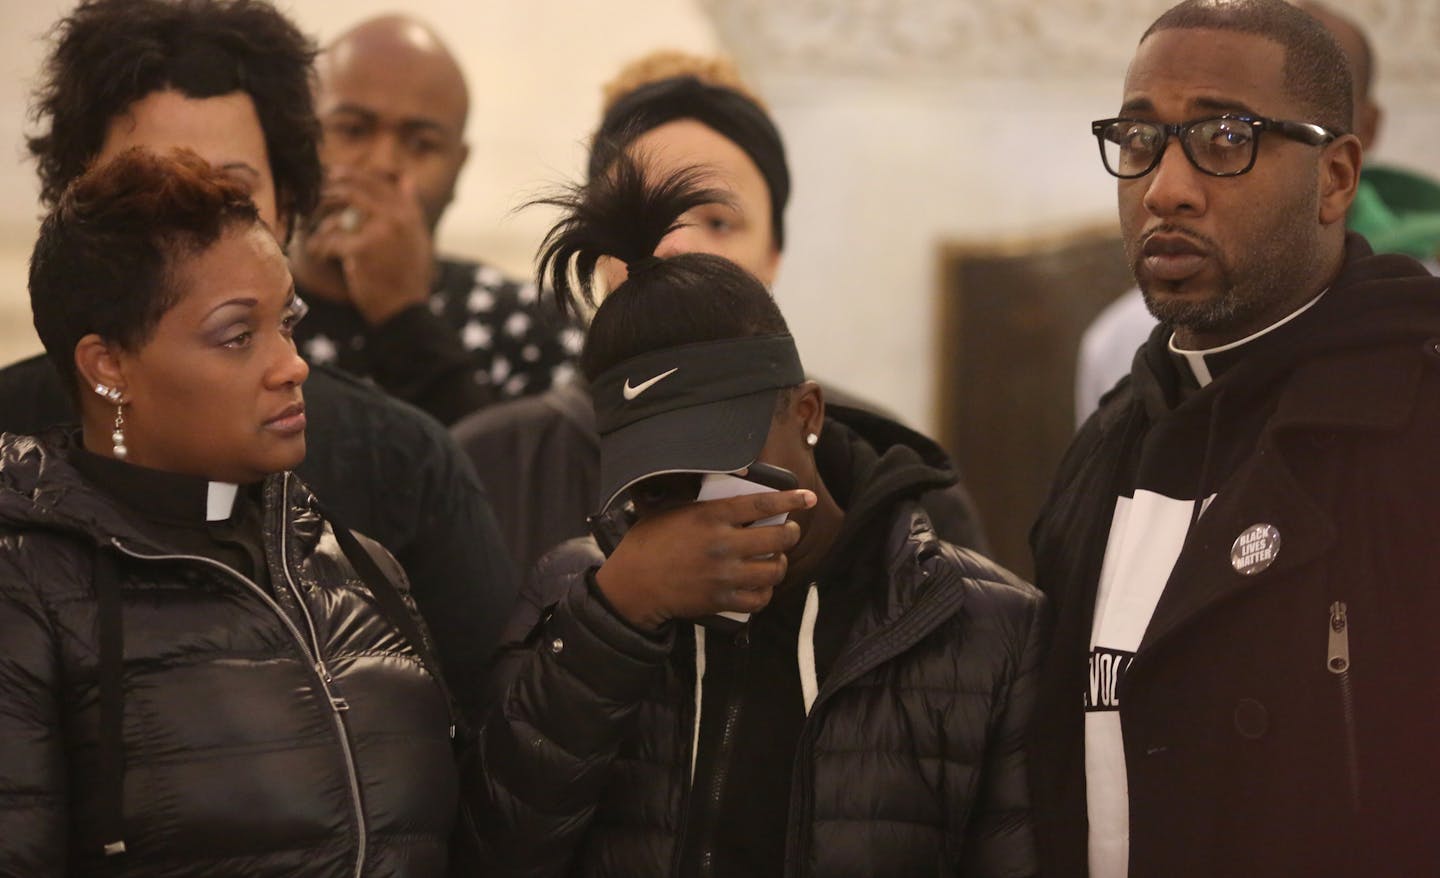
[[1398, 211]]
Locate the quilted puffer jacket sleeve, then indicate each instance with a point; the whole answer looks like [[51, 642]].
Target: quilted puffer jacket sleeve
[[33, 809], [570, 677], [1000, 839]]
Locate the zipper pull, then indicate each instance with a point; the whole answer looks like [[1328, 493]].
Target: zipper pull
[[742, 637], [1339, 658]]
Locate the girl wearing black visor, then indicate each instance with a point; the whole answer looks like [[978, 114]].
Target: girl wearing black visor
[[859, 708]]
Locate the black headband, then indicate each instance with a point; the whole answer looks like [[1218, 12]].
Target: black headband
[[728, 112]]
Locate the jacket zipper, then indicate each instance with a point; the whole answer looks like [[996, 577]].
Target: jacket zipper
[[722, 755], [1338, 663], [677, 852], [337, 704], [850, 666]]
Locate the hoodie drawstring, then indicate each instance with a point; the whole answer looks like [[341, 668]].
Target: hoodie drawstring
[[111, 781], [805, 659], [805, 648], [699, 697]]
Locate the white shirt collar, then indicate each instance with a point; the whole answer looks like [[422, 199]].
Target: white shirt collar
[[1196, 359], [220, 500]]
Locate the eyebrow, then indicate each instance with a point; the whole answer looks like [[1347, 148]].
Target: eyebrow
[[409, 122], [250, 301], [240, 166], [1219, 105], [246, 302], [1136, 105], [1225, 106], [354, 110]]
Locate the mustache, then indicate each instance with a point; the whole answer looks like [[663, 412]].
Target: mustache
[[1203, 243]]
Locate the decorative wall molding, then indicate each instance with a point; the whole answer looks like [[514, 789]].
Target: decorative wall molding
[[1011, 39]]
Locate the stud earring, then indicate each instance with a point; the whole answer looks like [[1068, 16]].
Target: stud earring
[[118, 437], [812, 439], [111, 393]]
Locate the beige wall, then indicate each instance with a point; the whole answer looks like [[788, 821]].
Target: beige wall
[[908, 122], [17, 338], [912, 122]]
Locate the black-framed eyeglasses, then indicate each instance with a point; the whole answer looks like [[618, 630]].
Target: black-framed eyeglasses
[[1221, 146]]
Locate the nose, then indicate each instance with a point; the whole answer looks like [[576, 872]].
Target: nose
[[383, 154], [1175, 186], [289, 369]]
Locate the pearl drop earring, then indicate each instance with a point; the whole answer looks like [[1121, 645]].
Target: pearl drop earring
[[117, 438]]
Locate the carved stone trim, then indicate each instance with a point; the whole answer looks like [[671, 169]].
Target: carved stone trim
[[1024, 39]]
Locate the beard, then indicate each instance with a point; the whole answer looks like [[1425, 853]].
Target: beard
[[1253, 288]]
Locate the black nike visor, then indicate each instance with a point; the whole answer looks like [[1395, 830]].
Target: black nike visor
[[696, 408]]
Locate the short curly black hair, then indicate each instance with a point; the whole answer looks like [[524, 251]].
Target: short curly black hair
[[105, 258], [108, 54], [1317, 72]]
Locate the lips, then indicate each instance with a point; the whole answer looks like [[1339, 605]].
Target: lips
[[289, 421], [1172, 257]]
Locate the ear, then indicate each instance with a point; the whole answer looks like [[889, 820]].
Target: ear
[[1339, 178], [460, 163], [284, 231], [771, 268], [809, 407], [450, 186], [1367, 123], [99, 362]]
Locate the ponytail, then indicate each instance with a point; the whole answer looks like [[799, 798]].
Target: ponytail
[[618, 214], [664, 302]]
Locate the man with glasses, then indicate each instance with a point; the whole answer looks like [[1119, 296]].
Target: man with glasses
[[1240, 544], [1398, 211]]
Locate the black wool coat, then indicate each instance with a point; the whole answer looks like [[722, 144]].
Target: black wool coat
[[1251, 749]]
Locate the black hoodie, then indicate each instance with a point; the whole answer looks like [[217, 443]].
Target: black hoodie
[[916, 673], [1376, 301], [753, 706]]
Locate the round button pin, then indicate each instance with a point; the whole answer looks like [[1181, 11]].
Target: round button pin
[[1255, 549]]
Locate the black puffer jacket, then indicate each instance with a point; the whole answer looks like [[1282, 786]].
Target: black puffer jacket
[[385, 469], [266, 732], [909, 762]]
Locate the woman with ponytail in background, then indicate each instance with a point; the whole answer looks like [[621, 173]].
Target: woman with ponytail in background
[[729, 692]]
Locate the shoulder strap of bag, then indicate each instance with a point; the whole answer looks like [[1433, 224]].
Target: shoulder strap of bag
[[392, 605]]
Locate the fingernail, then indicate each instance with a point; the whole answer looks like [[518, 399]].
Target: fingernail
[[810, 498]]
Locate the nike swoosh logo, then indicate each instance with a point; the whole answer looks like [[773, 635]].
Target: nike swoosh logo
[[632, 392]]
